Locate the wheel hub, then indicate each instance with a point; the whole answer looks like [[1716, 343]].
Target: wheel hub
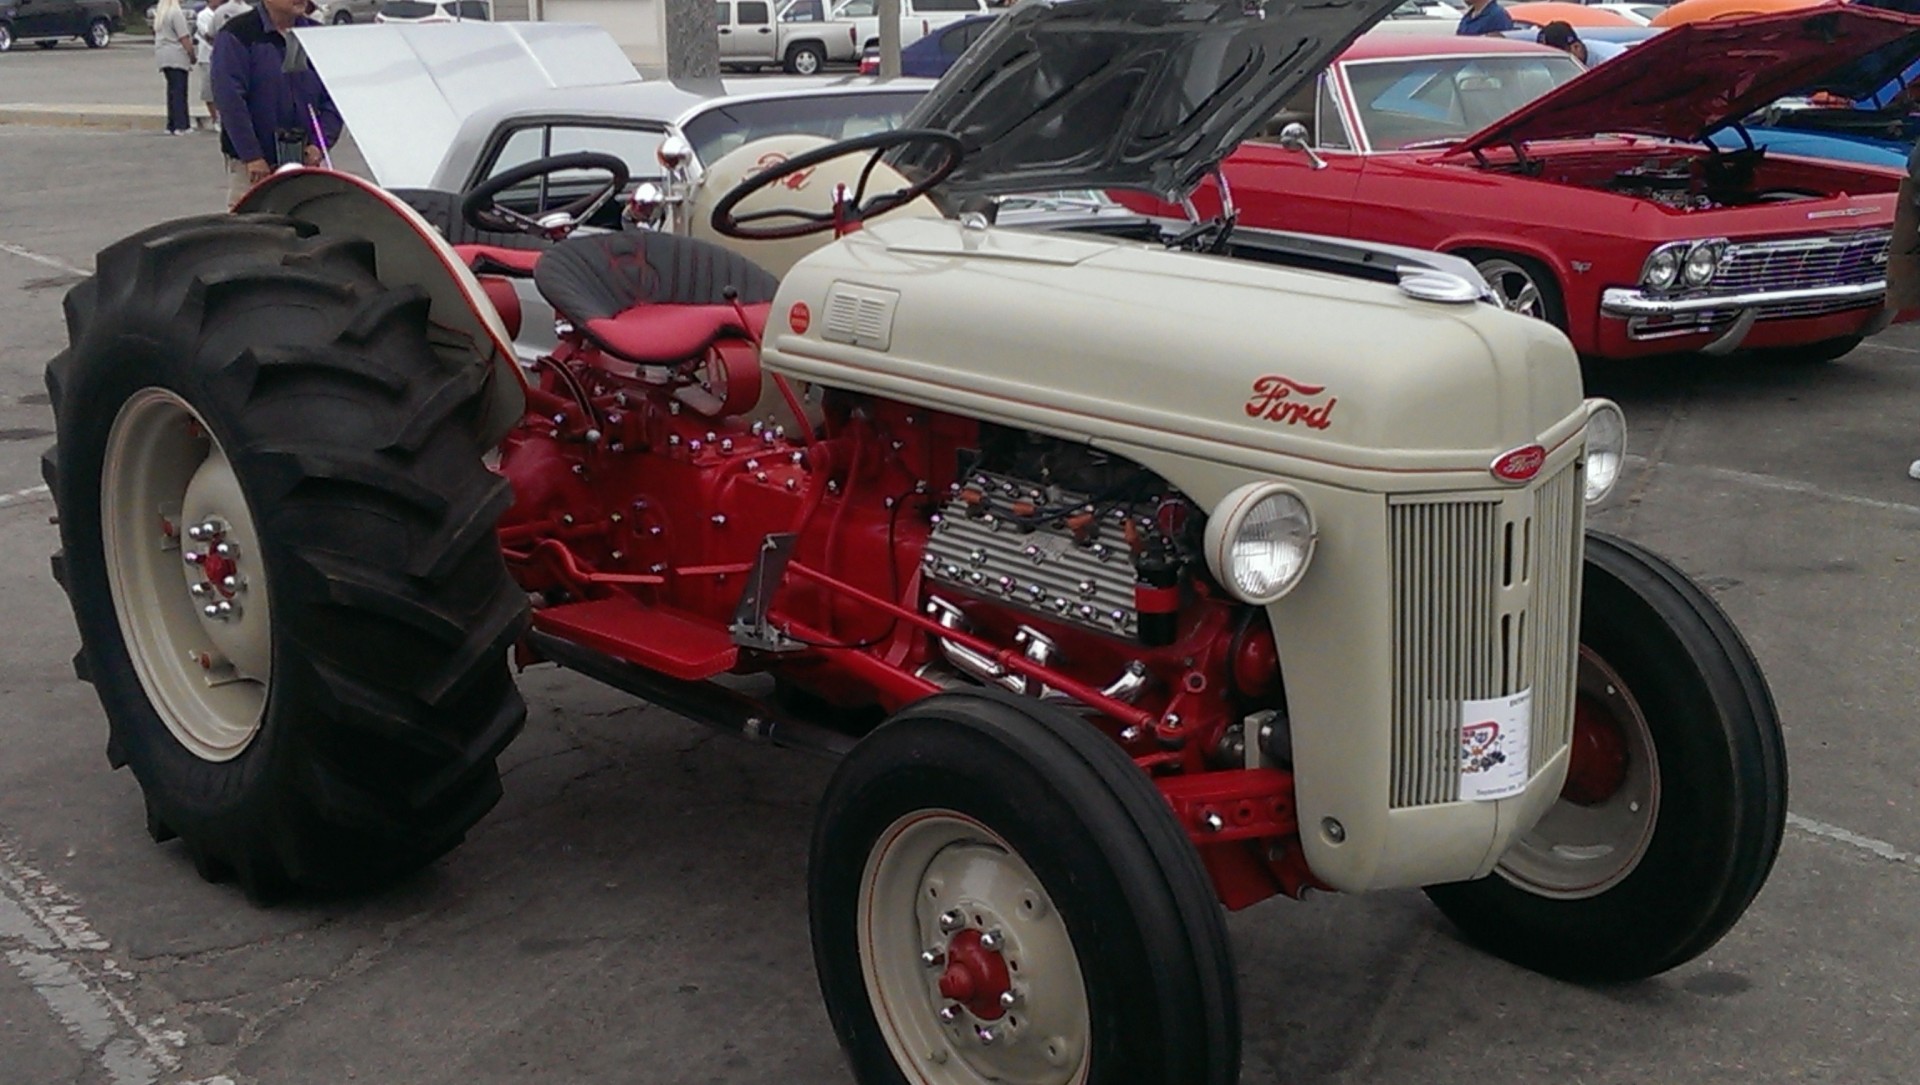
[[192, 602], [1597, 762], [998, 995]]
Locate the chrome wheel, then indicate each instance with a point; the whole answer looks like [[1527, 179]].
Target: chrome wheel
[[1514, 288], [1599, 830], [971, 971], [99, 34], [183, 566]]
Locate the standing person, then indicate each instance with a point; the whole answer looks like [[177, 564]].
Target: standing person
[[1560, 35], [206, 27], [1484, 17], [271, 113], [1903, 252], [173, 50]]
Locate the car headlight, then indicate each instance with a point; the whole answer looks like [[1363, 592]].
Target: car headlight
[[1663, 267], [1259, 541], [1606, 448], [1703, 260]]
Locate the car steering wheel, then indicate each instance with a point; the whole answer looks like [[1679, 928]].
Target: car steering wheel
[[857, 207], [481, 211]]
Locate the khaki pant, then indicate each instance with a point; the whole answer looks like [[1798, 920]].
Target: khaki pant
[[1903, 255], [237, 183]]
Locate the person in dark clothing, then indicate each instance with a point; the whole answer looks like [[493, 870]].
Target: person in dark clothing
[[269, 113], [1484, 17]]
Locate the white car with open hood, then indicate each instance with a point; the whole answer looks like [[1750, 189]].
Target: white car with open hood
[[1129, 568]]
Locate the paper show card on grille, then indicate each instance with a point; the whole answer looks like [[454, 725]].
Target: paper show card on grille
[[1494, 738]]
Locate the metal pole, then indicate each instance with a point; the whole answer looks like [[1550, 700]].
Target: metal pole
[[693, 39], [889, 12]]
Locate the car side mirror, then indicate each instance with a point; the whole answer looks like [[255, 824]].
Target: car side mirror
[[1294, 138], [646, 206]]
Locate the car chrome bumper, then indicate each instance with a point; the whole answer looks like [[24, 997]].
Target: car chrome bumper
[[1621, 301]]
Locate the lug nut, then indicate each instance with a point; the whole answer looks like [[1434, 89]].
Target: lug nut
[[991, 941], [231, 583], [932, 958], [1213, 822], [949, 1014], [211, 612], [1009, 999], [200, 590], [225, 549], [986, 1036], [951, 921], [193, 557]]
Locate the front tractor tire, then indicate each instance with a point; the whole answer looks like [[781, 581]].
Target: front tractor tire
[[278, 543], [998, 893], [1676, 795]]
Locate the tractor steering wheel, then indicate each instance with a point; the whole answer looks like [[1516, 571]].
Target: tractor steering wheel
[[857, 207], [482, 212]]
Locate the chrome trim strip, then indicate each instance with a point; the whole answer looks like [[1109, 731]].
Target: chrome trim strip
[[1620, 301]]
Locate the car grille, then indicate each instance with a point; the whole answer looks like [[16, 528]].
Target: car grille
[[1485, 604], [1803, 262]]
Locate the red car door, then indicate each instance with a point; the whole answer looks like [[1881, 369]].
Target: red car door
[[1281, 189]]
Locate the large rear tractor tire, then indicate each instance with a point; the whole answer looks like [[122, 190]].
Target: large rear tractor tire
[[279, 548], [998, 893], [1676, 795]]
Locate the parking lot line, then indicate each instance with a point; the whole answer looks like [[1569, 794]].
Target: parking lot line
[[52, 947], [41, 258], [1776, 483], [1852, 839]]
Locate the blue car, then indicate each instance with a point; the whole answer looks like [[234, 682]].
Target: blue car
[[931, 56], [1866, 113]]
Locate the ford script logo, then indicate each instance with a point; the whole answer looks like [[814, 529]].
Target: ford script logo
[[1519, 465], [1289, 402]]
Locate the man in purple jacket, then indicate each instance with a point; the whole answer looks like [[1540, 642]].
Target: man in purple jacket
[[269, 111]]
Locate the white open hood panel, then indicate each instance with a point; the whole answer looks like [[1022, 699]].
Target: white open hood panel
[[405, 89]]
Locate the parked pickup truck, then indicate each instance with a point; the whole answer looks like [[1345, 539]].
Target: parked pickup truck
[[798, 36], [48, 22]]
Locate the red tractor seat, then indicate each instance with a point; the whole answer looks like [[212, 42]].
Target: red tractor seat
[[653, 298], [494, 260]]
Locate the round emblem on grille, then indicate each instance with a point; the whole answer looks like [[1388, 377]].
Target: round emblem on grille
[[1520, 464], [799, 318]]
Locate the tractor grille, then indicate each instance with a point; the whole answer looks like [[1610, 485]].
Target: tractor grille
[[1485, 604], [1799, 263]]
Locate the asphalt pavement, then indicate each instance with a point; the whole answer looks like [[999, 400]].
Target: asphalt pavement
[[634, 910]]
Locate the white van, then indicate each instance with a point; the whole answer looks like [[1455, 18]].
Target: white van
[[918, 18]]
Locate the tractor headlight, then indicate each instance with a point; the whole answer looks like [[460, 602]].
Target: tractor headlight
[[1259, 541], [1703, 261], [1606, 448], [1663, 267]]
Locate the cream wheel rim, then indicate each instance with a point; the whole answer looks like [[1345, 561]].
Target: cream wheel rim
[[968, 964], [185, 572], [1578, 851]]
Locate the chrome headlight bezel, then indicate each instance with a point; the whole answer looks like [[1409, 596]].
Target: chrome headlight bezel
[[1259, 504], [1702, 264], [1606, 454], [1683, 265]]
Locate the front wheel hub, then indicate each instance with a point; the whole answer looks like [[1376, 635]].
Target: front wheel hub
[[972, 973]]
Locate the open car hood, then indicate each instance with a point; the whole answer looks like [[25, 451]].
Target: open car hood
[[404, 89], [1685, 83], [1144, 94]]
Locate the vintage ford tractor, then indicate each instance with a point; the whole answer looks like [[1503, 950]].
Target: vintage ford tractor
[[1130, 573]]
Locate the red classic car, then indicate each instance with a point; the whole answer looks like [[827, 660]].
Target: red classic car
[[1590, 198]]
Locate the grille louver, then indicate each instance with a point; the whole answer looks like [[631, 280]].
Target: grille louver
[[1485, 604]]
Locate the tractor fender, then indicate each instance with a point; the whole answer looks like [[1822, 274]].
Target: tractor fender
[[408, 251]]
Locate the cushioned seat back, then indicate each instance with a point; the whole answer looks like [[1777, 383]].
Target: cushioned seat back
[[442, 209], [598, 276]]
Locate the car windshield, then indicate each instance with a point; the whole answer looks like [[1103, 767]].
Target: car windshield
[[717, 130], [1440, 99], [406, 9]]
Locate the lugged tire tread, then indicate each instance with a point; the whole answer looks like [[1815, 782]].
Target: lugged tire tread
[[395, 755]]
